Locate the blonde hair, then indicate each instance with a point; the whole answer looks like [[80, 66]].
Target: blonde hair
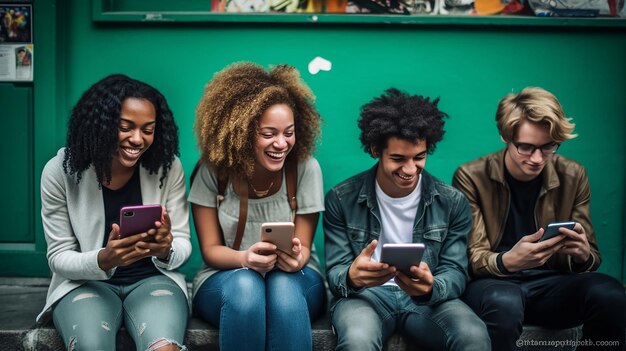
[[232, 104], [535, 105]]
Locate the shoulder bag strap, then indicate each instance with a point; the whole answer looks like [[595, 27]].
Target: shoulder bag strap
[[243, 212], [221, 183], [194, 173], [292, 180], [292, 186], [221, 189]]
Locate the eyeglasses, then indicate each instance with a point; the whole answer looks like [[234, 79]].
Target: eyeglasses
[[529, 149]]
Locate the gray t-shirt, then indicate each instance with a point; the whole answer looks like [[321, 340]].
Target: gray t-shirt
[[274, 208]]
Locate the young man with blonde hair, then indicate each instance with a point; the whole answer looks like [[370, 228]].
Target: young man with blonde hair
[[514, 194]]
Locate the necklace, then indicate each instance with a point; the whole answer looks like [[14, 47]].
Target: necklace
[[262, 193]]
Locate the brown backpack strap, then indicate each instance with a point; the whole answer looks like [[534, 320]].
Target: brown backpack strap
[[292, 183], [292, 186], [194, 173], [243, 212], [221, 183], [221, 189], [291, 175]]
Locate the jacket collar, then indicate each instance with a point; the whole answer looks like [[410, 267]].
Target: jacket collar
[[367, 193], [496, 170]]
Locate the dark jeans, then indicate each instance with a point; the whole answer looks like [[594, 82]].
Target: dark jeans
[[551, 300]]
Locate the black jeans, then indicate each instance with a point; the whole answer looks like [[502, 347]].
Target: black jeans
[[551, 300]]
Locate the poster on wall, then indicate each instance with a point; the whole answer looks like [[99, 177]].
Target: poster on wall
[[16, 42]]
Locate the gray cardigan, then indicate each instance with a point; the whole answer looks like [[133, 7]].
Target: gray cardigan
[[73, 222]]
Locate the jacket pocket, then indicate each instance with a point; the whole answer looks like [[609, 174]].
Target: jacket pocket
[[359, 238], [435, 234], [358, 235], [433, 239]]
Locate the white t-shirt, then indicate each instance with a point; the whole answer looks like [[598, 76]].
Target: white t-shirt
[[397, 216]]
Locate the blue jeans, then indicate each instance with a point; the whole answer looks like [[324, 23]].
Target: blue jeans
[[153, 310], [365, 320], [255, 312], [551, 300]]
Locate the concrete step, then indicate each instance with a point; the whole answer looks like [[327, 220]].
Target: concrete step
[[201, 336], [21, 299]]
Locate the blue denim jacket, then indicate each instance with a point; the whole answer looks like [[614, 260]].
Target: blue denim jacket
[[442, 222]]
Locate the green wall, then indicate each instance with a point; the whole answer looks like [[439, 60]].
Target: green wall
[[469, 67]]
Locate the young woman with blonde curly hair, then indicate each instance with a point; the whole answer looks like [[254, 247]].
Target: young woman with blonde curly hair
[[251, 123]]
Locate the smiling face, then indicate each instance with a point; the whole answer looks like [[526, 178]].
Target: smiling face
[[135, 132], [275, 138], [523, 167], [400, 165]]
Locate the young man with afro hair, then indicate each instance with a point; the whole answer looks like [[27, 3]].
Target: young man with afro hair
[[397, 201]]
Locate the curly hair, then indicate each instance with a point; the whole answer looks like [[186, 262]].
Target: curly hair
[[397, 114], [92, 133], [228, 114], [535, 105]]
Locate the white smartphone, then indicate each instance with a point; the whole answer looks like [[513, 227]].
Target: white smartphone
[[552, 229], [403, 256], [279, 234], [138, 219]]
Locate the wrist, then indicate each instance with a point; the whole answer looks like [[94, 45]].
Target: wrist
[[505, 263], [167, 257], [241, 258], [103, 260], [584, 266], [582, 259], [349, 280]]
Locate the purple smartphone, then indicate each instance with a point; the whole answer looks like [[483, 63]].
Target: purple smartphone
[[138, 219]]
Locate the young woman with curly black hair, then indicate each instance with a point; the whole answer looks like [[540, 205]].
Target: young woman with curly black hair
[[121, 150], [251, 124]]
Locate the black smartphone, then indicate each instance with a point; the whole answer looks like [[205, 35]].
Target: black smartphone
[[403, 256], [552, 229]]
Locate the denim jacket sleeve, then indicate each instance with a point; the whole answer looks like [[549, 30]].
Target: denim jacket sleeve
[[339, 255], [450, 274]]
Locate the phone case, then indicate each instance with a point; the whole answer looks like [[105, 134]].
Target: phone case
[[138, 219], [279, 234], [403, 256]]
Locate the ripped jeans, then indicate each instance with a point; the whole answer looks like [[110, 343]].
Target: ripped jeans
[[153, 310]]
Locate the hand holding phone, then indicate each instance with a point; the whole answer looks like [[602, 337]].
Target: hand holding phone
[[279, 234], [120, 251], [365, 272], [403, 256], [260, 257], [139, 219], [552, 229]]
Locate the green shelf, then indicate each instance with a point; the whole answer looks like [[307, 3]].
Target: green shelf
[[123, 11]]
